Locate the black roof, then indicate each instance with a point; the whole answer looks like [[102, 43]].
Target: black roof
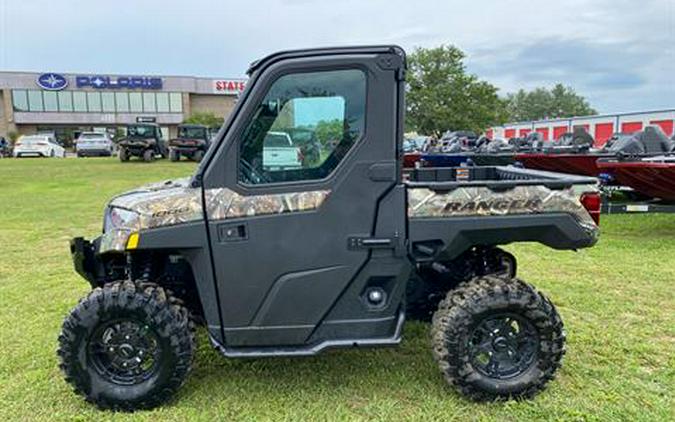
[[290, 54], [192, 125]]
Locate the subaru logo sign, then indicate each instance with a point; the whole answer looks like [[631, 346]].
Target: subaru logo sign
[[52, 81]]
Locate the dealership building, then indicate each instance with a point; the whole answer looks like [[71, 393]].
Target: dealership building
[[67, 104]]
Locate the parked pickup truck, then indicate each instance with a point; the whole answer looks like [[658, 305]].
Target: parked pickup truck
[[337, 253], [280, 153]]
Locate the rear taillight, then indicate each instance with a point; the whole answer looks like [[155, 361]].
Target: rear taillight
[[592, 202]]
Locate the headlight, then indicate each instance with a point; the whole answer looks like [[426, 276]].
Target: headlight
[[119, 218]]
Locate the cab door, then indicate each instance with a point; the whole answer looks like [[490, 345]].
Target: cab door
[[285, 237]]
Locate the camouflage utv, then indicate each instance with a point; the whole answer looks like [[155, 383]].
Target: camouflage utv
[[337, 253], [143, 140]]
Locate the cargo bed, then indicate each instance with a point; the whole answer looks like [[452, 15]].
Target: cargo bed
[[450, 209]]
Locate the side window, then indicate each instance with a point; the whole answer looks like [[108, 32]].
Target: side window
[[303, 127]]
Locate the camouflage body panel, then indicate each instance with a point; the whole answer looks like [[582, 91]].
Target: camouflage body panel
[[175, 202], [482, 201], [224, 203]]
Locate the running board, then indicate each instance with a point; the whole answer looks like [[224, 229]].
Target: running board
[[254, 352]]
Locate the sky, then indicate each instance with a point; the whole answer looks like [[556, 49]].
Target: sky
[[619, 54]]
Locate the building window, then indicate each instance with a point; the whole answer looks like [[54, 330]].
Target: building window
[[108, 102], [122, 102], [176, 102], [20, 100], [35, 101], [97, 102], [79, 101], [149, 102], [50, 100], [135, 102], [94, 101], [65, 101], [162, 102]]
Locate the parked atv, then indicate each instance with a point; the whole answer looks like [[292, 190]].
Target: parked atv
[[192, 142], [143, 140]]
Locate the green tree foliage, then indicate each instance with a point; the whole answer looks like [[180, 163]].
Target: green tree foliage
[[327, 131], [442, 96], [206, 118], [542, 103]]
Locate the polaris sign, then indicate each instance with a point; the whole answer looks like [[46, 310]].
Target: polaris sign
[[52, 81], [118, 82]]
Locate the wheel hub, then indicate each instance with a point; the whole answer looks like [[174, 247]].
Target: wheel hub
[[124, 351], [503, 345]]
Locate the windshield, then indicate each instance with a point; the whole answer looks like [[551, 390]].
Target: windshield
[[32, 139], [92, 136], [192, 132], [277, 140], [141, 131]]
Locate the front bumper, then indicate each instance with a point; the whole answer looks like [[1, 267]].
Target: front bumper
[[186, 149], [32, 152], [94, 152], [85, 259]]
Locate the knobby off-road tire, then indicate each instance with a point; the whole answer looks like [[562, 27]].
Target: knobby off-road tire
[[498, 319], [148, 155], [423, 294], [123, 154], [127, 346], [198, 155], [174, 155]]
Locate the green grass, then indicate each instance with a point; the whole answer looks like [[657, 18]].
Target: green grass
[[616, 299]]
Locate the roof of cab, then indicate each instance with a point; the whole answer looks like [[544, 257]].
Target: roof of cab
[[308, 52]]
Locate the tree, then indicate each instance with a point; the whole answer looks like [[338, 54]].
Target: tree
[[442, 96], [541, 103], [206, 118], [329, 130]]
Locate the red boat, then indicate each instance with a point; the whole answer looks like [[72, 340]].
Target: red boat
[[410, 158], [654, 177], [649, 142], [585, 164]]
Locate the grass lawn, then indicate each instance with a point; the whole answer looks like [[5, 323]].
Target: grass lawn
[[616, 300]]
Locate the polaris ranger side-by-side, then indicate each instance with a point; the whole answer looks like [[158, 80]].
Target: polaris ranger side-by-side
[[335, 253], [143, 140], [192, 142]]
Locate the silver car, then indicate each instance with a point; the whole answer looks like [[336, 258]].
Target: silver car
[[97, 144]]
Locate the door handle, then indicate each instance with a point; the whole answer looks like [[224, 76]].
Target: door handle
[[232, 232]]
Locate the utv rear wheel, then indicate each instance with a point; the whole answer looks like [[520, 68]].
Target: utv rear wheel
[[497, 338], [148, 155], [426, 288], [123, 154], [127, 346], [174, 155]]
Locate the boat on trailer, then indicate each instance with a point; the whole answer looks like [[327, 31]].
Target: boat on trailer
[[651, 176]]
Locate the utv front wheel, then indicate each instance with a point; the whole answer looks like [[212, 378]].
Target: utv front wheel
[[497, 338], [174, 155], [198, 155], [148, 155], [127, 346], [123, 154]]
